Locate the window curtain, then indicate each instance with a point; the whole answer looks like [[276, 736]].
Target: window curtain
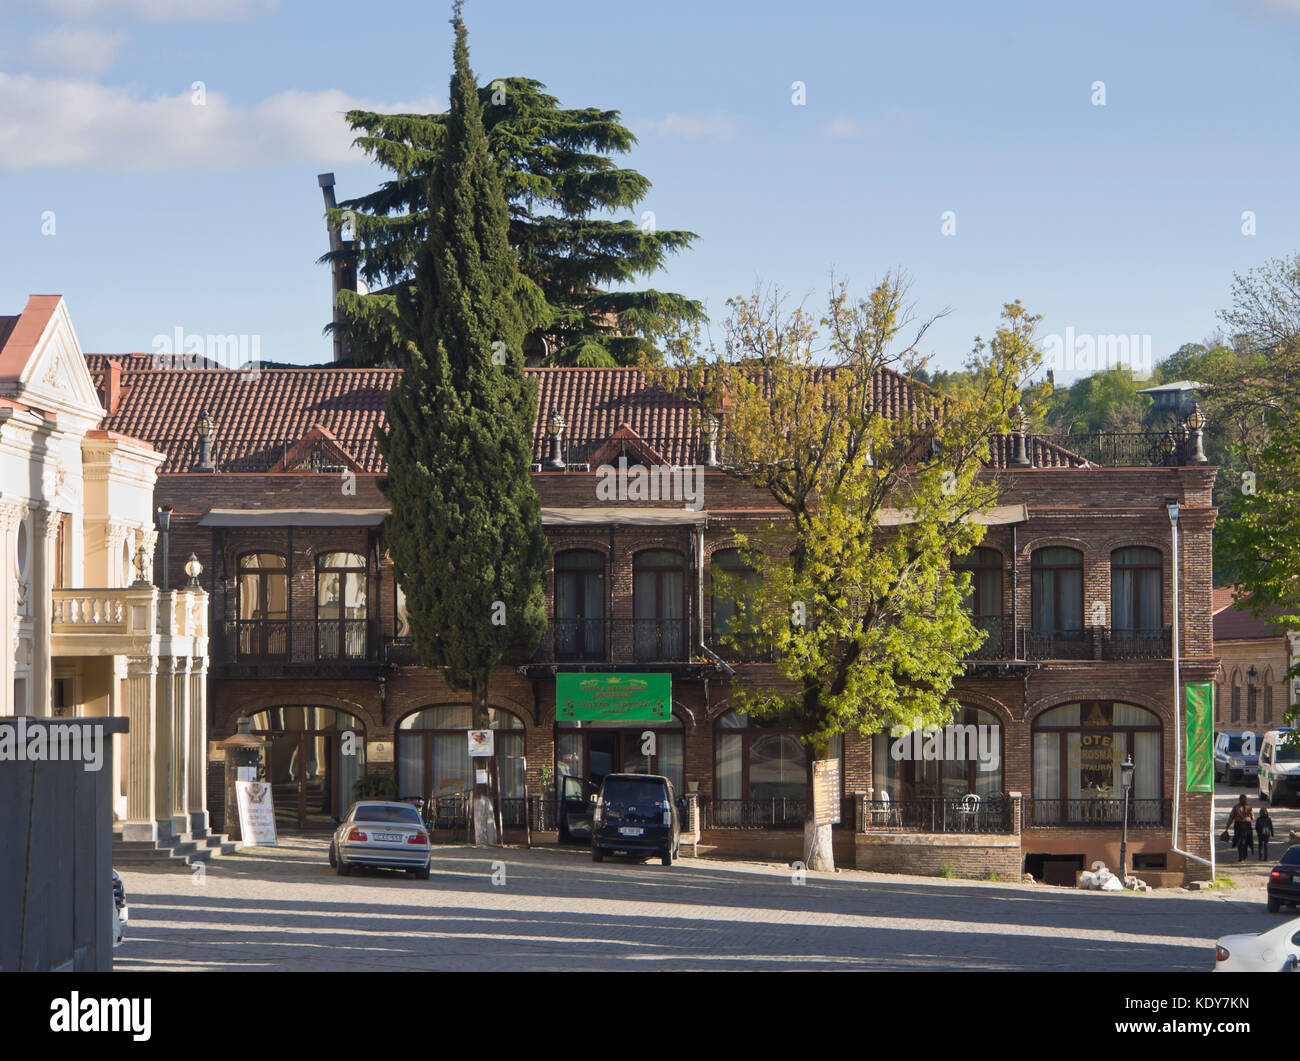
[[1047, 766], [778, 766], [410, 766], [568, 754], [671, 760], [730, 750], [1146, 765], [451, 765], [510, 764]]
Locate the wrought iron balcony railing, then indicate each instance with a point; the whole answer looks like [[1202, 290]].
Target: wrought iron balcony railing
[[615, 640], [290, 641], [1096, 642], [1096, 813]]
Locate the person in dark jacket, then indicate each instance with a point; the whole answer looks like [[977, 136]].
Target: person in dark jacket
[[1241, 820], [1264, 830]]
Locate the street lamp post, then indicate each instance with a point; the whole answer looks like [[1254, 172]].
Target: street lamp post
[[164, 525], [1126, 778]]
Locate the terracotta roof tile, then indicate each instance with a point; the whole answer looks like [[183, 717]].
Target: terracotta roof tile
[[1234, 622], [262, 417]]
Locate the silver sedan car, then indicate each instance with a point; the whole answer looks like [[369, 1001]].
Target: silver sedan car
[[382, 833]]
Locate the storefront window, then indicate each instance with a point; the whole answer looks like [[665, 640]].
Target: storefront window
[[760, 761], [1079, 748], [964, 757], [601, 748], [433, 759]]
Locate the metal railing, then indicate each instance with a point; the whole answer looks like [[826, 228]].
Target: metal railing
[[997, 641], [1096, 642], [606, 640], [771, 812], [743, 648], [1089, 813], [941, 814], [269, 641], [1123, 449]]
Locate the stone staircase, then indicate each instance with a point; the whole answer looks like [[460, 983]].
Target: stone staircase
[[183, 850]]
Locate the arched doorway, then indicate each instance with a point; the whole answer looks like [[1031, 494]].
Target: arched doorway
[[314, 755]]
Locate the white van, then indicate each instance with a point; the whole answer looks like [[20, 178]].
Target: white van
[[1279, 768]]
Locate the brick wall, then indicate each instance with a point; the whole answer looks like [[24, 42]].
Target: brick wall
[[927, 856]]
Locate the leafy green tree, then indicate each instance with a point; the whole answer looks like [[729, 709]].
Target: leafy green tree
[[465, 529], [856, 593], [558, 177]]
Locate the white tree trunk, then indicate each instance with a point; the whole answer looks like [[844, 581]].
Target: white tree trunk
[[818, 853], [485, 823]]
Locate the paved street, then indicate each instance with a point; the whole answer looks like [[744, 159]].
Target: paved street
[[1251, 876], [285, 909]]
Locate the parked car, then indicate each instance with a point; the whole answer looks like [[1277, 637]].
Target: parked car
[[1274, 951], [576, 800], [380, 833], [120, 913], [636, 814], [1279, 768], [1232, 762], [1284, 880]]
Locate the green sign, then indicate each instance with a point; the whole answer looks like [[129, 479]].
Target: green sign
[[619, 697], [1198, 700]]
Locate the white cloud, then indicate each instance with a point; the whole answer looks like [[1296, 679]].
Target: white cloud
[[64, 123], [148, 10], [82, 51], [717, 126]]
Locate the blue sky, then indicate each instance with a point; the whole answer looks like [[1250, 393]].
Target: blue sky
[[1117, 219]]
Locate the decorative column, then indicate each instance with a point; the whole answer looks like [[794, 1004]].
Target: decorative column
[[42, 603], [164, 766], [141, 685], [11, 513], [198, 757], [180, 750]]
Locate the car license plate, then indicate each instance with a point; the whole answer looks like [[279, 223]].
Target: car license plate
[[630, 830], [389, 836]]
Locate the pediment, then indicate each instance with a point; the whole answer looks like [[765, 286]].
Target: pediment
[[626, 442], [318, 451], [47, 364]]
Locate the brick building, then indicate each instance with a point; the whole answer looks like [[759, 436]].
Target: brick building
[[1074, 585], [1251, 688]]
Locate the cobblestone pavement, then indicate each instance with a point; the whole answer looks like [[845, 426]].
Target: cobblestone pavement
[[284, 909]]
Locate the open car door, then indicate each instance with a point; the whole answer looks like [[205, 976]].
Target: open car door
[[577, 800]]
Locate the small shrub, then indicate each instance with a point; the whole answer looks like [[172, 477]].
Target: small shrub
[[993, 874], [381, 784], [946, 870]]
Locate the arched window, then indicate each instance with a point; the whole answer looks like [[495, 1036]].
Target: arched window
[[579, 604], [963, 757], [760, 773], [731, 641], [1078, 751], [1135, 590], [262, 626], [341, 622], [1268, 695], [1236, 695], [659, 605], [1057, 590], [433, 760]]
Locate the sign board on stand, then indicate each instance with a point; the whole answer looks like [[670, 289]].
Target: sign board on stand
[[256, 813], [826, 792]]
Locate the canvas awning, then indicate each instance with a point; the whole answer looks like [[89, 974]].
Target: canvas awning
[[624, 514], [293, 517], [994, 517]]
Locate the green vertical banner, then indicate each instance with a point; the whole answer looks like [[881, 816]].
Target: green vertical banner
[[1198, 700]]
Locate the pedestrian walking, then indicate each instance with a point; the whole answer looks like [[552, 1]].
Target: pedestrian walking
[[1264, 830], [1240, 821]]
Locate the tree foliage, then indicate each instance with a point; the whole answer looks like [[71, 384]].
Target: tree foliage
[[856, 592], [558, 177]]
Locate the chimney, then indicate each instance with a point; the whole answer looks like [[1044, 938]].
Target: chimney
[[343, 274], [112, 386]]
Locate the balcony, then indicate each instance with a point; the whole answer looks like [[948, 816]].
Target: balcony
[[1096, 813], [287, 647], [1096, 642], [124, 621], [615, 641], [997, 640]]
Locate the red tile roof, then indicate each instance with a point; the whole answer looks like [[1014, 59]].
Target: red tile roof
[[1236, 623], [262, 417]]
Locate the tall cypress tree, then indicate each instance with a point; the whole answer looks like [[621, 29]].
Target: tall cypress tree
[[557, 175], [465, 531]]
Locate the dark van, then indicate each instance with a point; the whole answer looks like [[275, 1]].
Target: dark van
[[636, 814]]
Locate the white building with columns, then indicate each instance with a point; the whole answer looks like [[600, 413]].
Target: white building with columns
[[83, 629]]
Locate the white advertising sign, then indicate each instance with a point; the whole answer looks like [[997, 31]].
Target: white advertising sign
[[482, 743], [256, 814]]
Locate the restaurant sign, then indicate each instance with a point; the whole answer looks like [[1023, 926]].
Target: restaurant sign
[[613, 697], [1198, 701]]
